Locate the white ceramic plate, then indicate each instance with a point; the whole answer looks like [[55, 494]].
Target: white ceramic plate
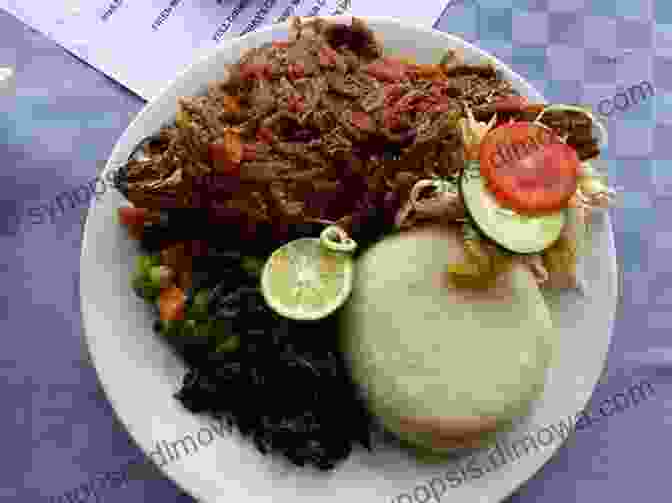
[[140, 374]]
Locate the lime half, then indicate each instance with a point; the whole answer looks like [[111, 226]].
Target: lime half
[[304, 280]]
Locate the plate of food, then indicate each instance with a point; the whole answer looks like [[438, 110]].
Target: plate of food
[[351, 259]]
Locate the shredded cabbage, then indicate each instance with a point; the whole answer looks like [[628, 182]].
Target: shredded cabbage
[[593, 191], [473, 133]]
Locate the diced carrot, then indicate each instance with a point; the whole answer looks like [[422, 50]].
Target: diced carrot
[[429, 72], [534, 108], [221, 161], [171, 304], [231, 103], [130, 215], [234, 146], [281, 44], [227, 154]]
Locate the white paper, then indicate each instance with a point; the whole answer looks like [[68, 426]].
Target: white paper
[[144, 44]]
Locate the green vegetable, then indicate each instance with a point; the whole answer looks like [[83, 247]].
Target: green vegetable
[[155, 274], [142, 280], [204, 328], [172, 327], [189, 329], [515, 232], [252, 265], [198, 310], [231, 343], [144, 287], [144, 263]]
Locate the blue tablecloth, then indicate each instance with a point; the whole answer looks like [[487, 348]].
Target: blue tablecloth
[[59, 430]]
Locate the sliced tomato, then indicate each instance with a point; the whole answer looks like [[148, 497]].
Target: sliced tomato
[[528, 168], [171, 303], [129, 215]]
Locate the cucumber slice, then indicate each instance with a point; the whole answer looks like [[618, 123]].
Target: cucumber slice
[[515, 232]]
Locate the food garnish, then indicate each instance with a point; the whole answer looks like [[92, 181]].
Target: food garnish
[[431, 199], [517, 232], [171, 304], [305, 280], [473, 133], [334, 238], [528, 168], [484, 261]]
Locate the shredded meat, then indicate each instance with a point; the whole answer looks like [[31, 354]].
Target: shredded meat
[[326, 125]]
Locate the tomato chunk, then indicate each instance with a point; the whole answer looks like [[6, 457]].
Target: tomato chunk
[[387, 69], [296, 104], [328, 56], [265, 135], [510, 104], [362, 120], [220, 156], [130, 215], [296, 71], [255, 71], [171, 304], [528, 168]]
